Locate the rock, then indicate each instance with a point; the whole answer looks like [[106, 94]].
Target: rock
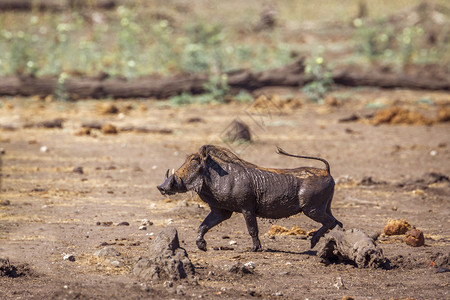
[[442, 270], [115, 263], [5, 202], [78, 170], [146, 222], [250, 265], [167, 239], [107, 251], [414, 238], [92, 125], [339, 283], [7, 269], [368, 181], [239, 268], [180, 290], [142, 227], [109, 129], [238, 132], [396, 227], [69, 257], [168, 283], [83, 131], [351, 118], [169, 261], [124, 223], [105, 223], [44, 149]]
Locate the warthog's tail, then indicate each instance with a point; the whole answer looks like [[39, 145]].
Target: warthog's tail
[[281, 151]]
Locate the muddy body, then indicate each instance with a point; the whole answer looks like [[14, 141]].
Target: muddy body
[[228, 184]]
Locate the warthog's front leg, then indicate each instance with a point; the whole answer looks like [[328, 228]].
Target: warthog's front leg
[[216, 216], [252, 227]]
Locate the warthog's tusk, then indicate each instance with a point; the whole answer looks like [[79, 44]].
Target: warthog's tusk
[[173, 171]]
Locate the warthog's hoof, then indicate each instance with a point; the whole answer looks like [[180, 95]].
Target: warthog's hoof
[[201, 244], [257, 248], [314, 240]]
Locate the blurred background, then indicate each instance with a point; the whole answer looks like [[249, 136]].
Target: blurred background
[[133, 38]]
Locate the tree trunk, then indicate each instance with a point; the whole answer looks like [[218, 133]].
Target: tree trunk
[[54, 5], [163, 87]]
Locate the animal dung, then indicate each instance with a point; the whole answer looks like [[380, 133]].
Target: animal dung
[[396, 227], [280, 230], [398, 115], [443, 114], [414, 238], [109, 129], [83, 131], [107, 108]]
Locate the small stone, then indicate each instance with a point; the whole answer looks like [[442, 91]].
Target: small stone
[[146, 222], [123, 224], [180, 290], [5, 202], [69, 257], [442, 270], [107, 251], [44, 149], [239, 268], [83, 131], [2, 151], [250, 265], [339, 284], [142, 227], [115, 263], [278, 294], [78, 170], [168, 283], [233, 243]]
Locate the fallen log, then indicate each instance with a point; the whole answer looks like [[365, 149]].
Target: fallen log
[[352, 246], [163, 87], [54, 5]]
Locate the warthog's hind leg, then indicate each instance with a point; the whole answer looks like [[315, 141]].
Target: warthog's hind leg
[[216, 216], [327, 221]]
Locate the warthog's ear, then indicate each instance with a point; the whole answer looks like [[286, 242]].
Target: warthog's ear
[[204, 154]]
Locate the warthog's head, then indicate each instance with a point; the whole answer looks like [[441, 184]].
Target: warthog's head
[[189, 177]]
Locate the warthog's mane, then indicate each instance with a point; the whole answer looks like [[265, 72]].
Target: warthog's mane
[[224, 155]]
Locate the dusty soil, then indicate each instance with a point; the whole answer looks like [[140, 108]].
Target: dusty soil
[[66, 190]]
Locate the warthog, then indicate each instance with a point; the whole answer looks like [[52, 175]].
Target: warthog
[[229, 184]]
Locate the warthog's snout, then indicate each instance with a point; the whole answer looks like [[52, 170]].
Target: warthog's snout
[[166, 188]]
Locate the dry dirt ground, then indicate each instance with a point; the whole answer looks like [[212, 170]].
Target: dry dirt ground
[[66, 192]]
